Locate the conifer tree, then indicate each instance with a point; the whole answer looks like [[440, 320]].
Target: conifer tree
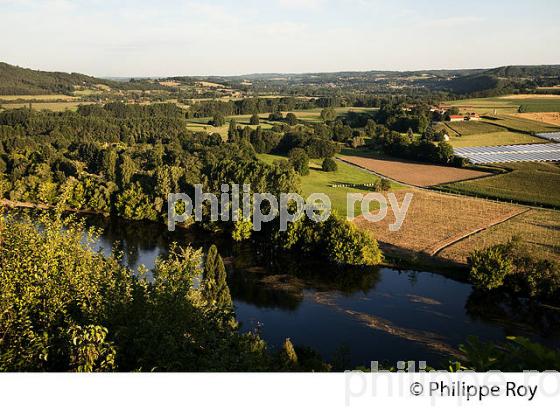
[[288, 356], [214, 286], [233, 134]]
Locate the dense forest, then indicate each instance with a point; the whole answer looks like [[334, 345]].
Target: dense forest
[[125, 159], [24, 81]]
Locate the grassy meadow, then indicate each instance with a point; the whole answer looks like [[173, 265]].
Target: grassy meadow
[[493, 139], [322, 182]]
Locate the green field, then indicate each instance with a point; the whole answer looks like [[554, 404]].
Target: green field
[[492, 139], [540, 105], [535, 183], [322, 182], [472, 127], [490, 133], [481, 106]]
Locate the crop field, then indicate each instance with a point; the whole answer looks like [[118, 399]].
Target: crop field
[[472, 127], [486, 105], [351, 178], [493, 139], [546, 117], [435, 220], [528, 182], [510, 104], [538, 229], [514, 123], [413, 173]]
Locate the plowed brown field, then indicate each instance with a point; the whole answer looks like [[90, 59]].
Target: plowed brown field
[[413, 173]]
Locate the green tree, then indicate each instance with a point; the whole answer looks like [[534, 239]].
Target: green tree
[[214, 285], [291, 118], [329, 165], [114, 319], [133, 203], [328, 114], [428, 134], [299, 160], [491, 266], [125, 170], [288, 356], [445, 152], [218, 120], [254, 120], [233, 134], [109, 164]]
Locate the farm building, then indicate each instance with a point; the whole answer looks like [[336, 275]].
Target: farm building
[[465, 117], [455, 118]]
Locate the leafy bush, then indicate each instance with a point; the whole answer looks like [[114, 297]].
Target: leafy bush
[[329, 165], [509, 267], [334, 239], [490, 267]]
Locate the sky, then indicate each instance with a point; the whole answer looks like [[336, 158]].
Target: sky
[[123, 38]]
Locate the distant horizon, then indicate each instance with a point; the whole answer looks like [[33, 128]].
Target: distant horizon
[[124, 77], [129, 38]]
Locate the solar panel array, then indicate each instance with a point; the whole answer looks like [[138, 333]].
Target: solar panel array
[[552, 136], [510, 153]]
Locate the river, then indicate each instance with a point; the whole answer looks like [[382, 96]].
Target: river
[[352, 316]]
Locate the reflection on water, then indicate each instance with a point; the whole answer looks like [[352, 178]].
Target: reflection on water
[[372, 313]]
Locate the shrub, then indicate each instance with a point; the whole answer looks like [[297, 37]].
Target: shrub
[[384, 184], [508, 266], [490, 266], [329, 165]]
